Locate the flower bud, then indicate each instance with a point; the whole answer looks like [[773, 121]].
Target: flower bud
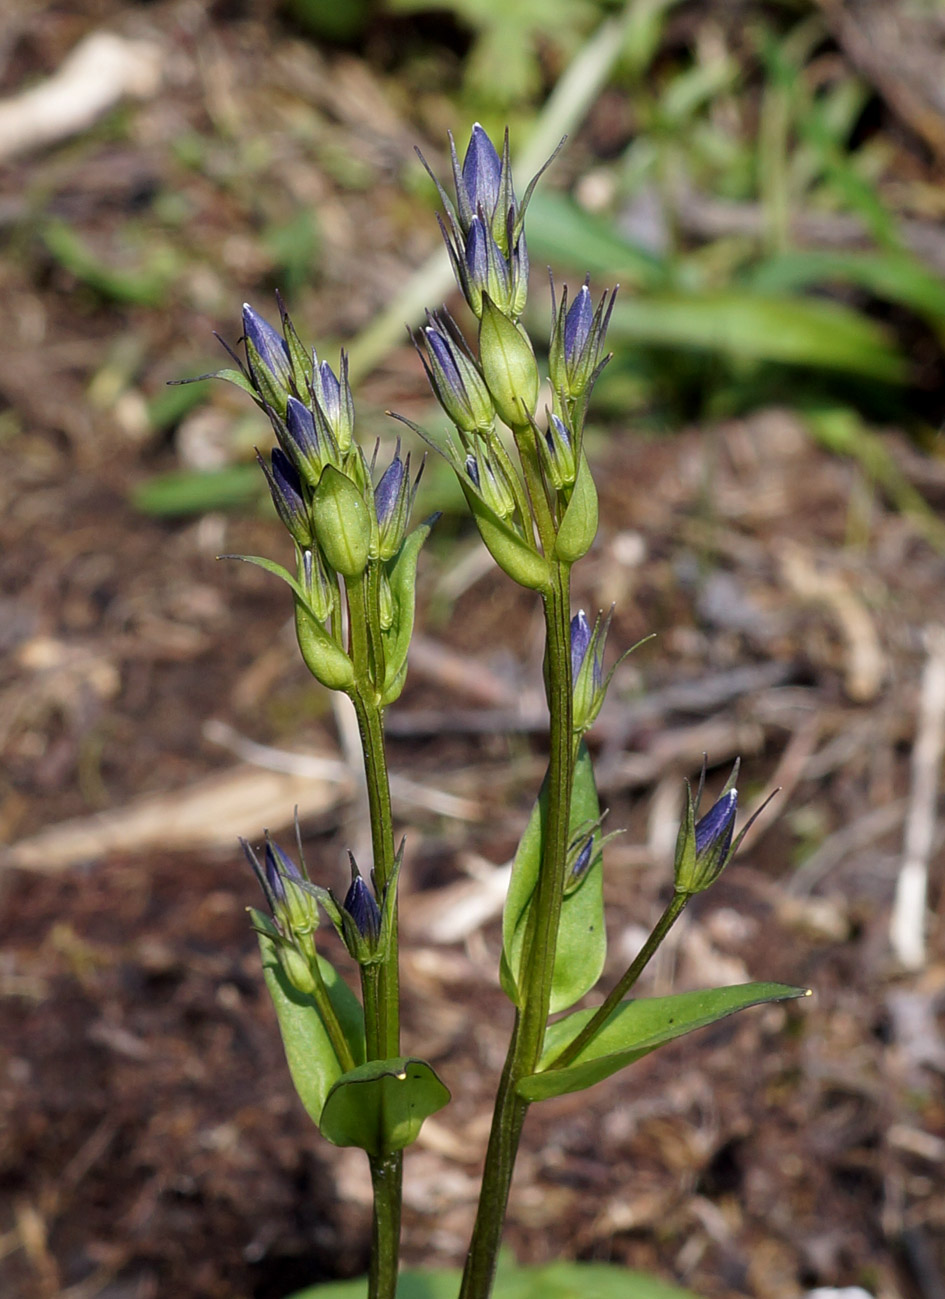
[[508, 365], [333, 403], [342, 523], [557, 453], [705, 847], [577, 340], [587, 668], [267, 355], [286, 490], [454, 376]]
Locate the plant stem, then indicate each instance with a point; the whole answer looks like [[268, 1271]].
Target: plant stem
[[662, 927], [386, 1180], [380, 984], [539, 954]]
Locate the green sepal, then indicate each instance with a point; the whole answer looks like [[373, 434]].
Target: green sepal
[[402, 578], [271, 566], [342, 522], [233, 376], [578, 528], [380, 1106], [311, 1057], [508, 364], [582, 937], [273, 394], [514, 555], [324, 657], [637, 1027]]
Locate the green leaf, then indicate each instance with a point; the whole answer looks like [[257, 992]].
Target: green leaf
[[553, 1281], [560, 231], [402, 575], [637, 1027], [582, 937], [381, 1105], [311, 1057], [270, 565], [508, 548], [578, 527], [799, 331], [893, 276], [194, 492]]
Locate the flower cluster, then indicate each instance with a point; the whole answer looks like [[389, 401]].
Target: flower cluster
[[539, 506], [349, 521]]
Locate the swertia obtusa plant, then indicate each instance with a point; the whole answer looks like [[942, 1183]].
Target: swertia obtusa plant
[[532, 495]]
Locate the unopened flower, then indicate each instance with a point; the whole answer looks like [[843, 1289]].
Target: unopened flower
[[587, 667], [288, 496], [454, 375], [393, 501], [705, 847], [557, 453], [577, 340], [483, 230]]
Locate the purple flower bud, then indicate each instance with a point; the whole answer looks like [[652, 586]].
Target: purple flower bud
[[286, 490], [580, 639], [363, 910], [577, 325], [714, 830], [388, 490], [557, 448], [304, 443], [269, 347], [472, 469], [583, 859], [482, 171], [454, 375]]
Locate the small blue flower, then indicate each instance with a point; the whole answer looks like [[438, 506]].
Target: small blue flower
[[577, 340], [454, 375], [587, 667], [705, 847], [580, 639], [714, 830], [361, 906], [288, 497]]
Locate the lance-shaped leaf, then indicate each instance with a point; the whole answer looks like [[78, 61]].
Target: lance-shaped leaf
[[402, 576], [508, 548], [578, 527], [582, 938], [381, 1105], [311, 1057], [637, 1027]]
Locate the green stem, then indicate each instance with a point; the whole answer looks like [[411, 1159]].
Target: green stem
[[539, 955], [329, 1017], [386, 1180], [535, 484], [662, 927], [380, 984]]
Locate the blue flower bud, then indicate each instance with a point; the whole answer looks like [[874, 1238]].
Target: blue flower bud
[[714, 830], [363, 910], [482, 172], [491, 482], [557, 453], [483, 232], [587, 668], [454, 375], [333, 403], [266, 346], [577, 340], [306, 449], [705, 847], [580, 639], [393, 501], [286, 490]]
